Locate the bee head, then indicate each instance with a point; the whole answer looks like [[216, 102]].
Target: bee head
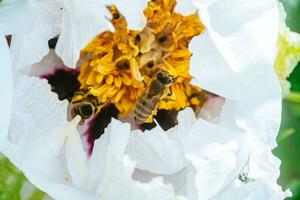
[[164, 78]]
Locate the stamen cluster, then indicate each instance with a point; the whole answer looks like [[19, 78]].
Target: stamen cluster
[[118, 66]]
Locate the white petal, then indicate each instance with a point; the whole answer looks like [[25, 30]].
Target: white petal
[[217, 153], [109, 146], [161, 152], [113, 171], [133, 12], [259, 189], [212, 108], [221, 12], [212, 165], [6, 88], [156, 151], [227, 60], [47, 65], [243, 67], [29, 48], [76, 160], [36, 106], [82, 21], [186, 119], [39, 130], [185, 7], [15, 17]]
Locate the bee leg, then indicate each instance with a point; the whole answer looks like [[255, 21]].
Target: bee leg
[[81, 121]]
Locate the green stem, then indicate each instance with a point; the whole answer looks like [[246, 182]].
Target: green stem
[[293, 97]]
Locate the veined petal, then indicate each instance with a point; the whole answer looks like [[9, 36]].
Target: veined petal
[[82, 21], [217, 153], [156, 151], [6, 88], [210, 168], [259, 189], [221, 12], [76, 160], [30, 47], [37, 135], [241, 67], [112, 170], [105, 150], [236, 54], [33, 99]]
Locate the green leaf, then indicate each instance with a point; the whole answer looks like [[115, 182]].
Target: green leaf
[[14, 185]]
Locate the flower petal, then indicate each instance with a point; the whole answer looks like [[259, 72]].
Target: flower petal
[[161, 152], [212, 165], [112, 170], [76, 160], [235, 54], [6, 88], [82, 21], [47, 65], [35, 106], [185, 7], [221, 12], [15, 17], [217, 153], [259, 189], [244, 71], [38, 132], [156, 151], [111, 145], [133, 12], [30, 47]]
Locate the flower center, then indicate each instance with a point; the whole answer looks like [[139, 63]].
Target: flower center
[[140, 72]]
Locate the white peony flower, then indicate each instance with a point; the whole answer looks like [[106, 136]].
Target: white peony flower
[[223, 152]]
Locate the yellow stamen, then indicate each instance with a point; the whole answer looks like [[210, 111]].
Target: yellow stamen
[[119, 65]]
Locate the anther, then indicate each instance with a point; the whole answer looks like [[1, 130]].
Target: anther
[[123, 64], [138, 38], [162, 39], [150, 64], [116, 16]]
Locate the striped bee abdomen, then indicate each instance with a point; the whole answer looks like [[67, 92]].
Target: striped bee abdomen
[[144, 107]]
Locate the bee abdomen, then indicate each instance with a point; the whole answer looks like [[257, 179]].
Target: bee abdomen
[[140, 117], [143, 109]]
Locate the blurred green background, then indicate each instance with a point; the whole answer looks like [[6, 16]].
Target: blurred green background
[[14, 186]]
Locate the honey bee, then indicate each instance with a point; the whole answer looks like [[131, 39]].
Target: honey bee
[[150, 98], [84, 105]]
